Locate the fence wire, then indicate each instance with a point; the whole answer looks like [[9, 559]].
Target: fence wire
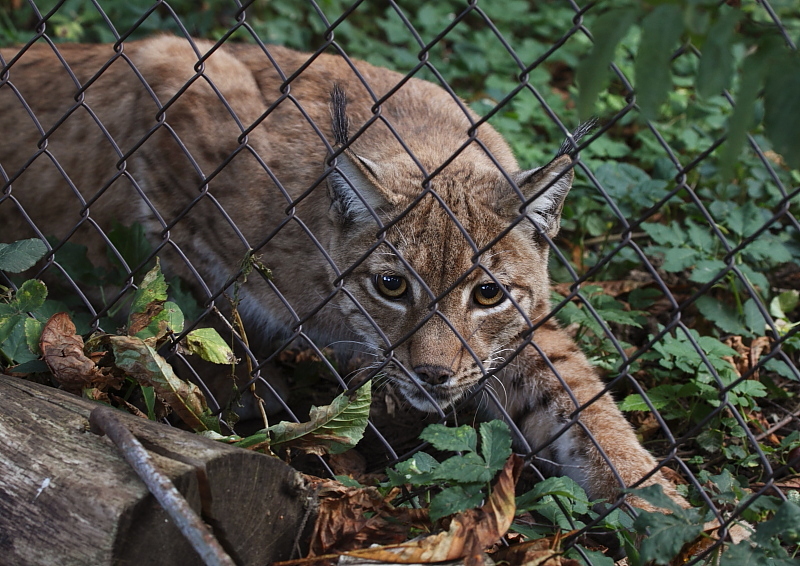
[[393, 430]]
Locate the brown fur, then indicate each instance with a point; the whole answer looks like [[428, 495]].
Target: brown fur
[[441, 342]]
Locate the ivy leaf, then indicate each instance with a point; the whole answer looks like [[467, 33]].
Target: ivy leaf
[[18, 256], [455, 439], [607, 31], [331, 429], [661, 31]]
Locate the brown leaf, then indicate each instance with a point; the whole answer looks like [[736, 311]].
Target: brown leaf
[[139, 320], [62, 350], [748, 356], [540, 552], [470, 531], [350, 463], [351, 517]]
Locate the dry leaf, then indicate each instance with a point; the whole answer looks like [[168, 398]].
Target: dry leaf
[[62, 350], [351, 517], [541, 552], [470, 532]]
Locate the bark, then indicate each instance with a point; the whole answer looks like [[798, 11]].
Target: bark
[[68, 497]]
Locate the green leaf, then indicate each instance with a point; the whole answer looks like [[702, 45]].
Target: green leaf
[[721, 314], [131, 244], [455, 439], [707, 270], [33, 333], [333, 428], [152, 289], [417, 470], [667, 533], [170, 317], [782, 106], [661, 31], [747, 554], [716, 62], [30, 295], [785, 524], [33, 366], [18, 256], [561, 486], [633, 402], [149, 395], [209, 345], [607, 31], [743, 118], [495, 444], [145, 365], [15, 346], [469, 468], [455, 499], [784, 303], [678, 259], [8, 322], [753, 317]]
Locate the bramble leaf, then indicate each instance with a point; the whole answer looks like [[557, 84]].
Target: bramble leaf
[[495, 444], [455, 499], [455, 439], [18, 256]]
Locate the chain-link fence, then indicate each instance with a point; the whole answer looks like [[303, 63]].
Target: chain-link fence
[[344, 223]]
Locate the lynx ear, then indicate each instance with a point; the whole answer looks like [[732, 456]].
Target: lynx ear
[[352, 185], [354, 189], [544, 189]]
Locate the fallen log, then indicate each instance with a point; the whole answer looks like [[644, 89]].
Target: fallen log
[[68, 497]]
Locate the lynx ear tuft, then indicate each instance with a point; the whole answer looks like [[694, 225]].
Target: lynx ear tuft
[[545, 189], [340, 124], [571, 143]]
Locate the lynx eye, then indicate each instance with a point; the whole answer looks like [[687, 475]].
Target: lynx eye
[[391, 286], [488, 294]]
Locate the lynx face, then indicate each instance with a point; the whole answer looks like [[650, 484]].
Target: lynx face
[[450, 288]]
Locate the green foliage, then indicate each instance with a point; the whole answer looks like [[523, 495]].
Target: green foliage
[[464, 478], [16, 257], [332, 429]]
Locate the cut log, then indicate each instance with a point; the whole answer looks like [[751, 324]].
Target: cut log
[[68, 497]]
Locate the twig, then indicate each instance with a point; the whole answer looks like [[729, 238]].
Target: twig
[[779, 425], [104, 420]]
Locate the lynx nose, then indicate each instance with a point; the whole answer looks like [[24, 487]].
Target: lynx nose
[[433, 375]]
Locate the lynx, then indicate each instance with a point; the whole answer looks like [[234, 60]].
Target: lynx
[[389, 215]]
